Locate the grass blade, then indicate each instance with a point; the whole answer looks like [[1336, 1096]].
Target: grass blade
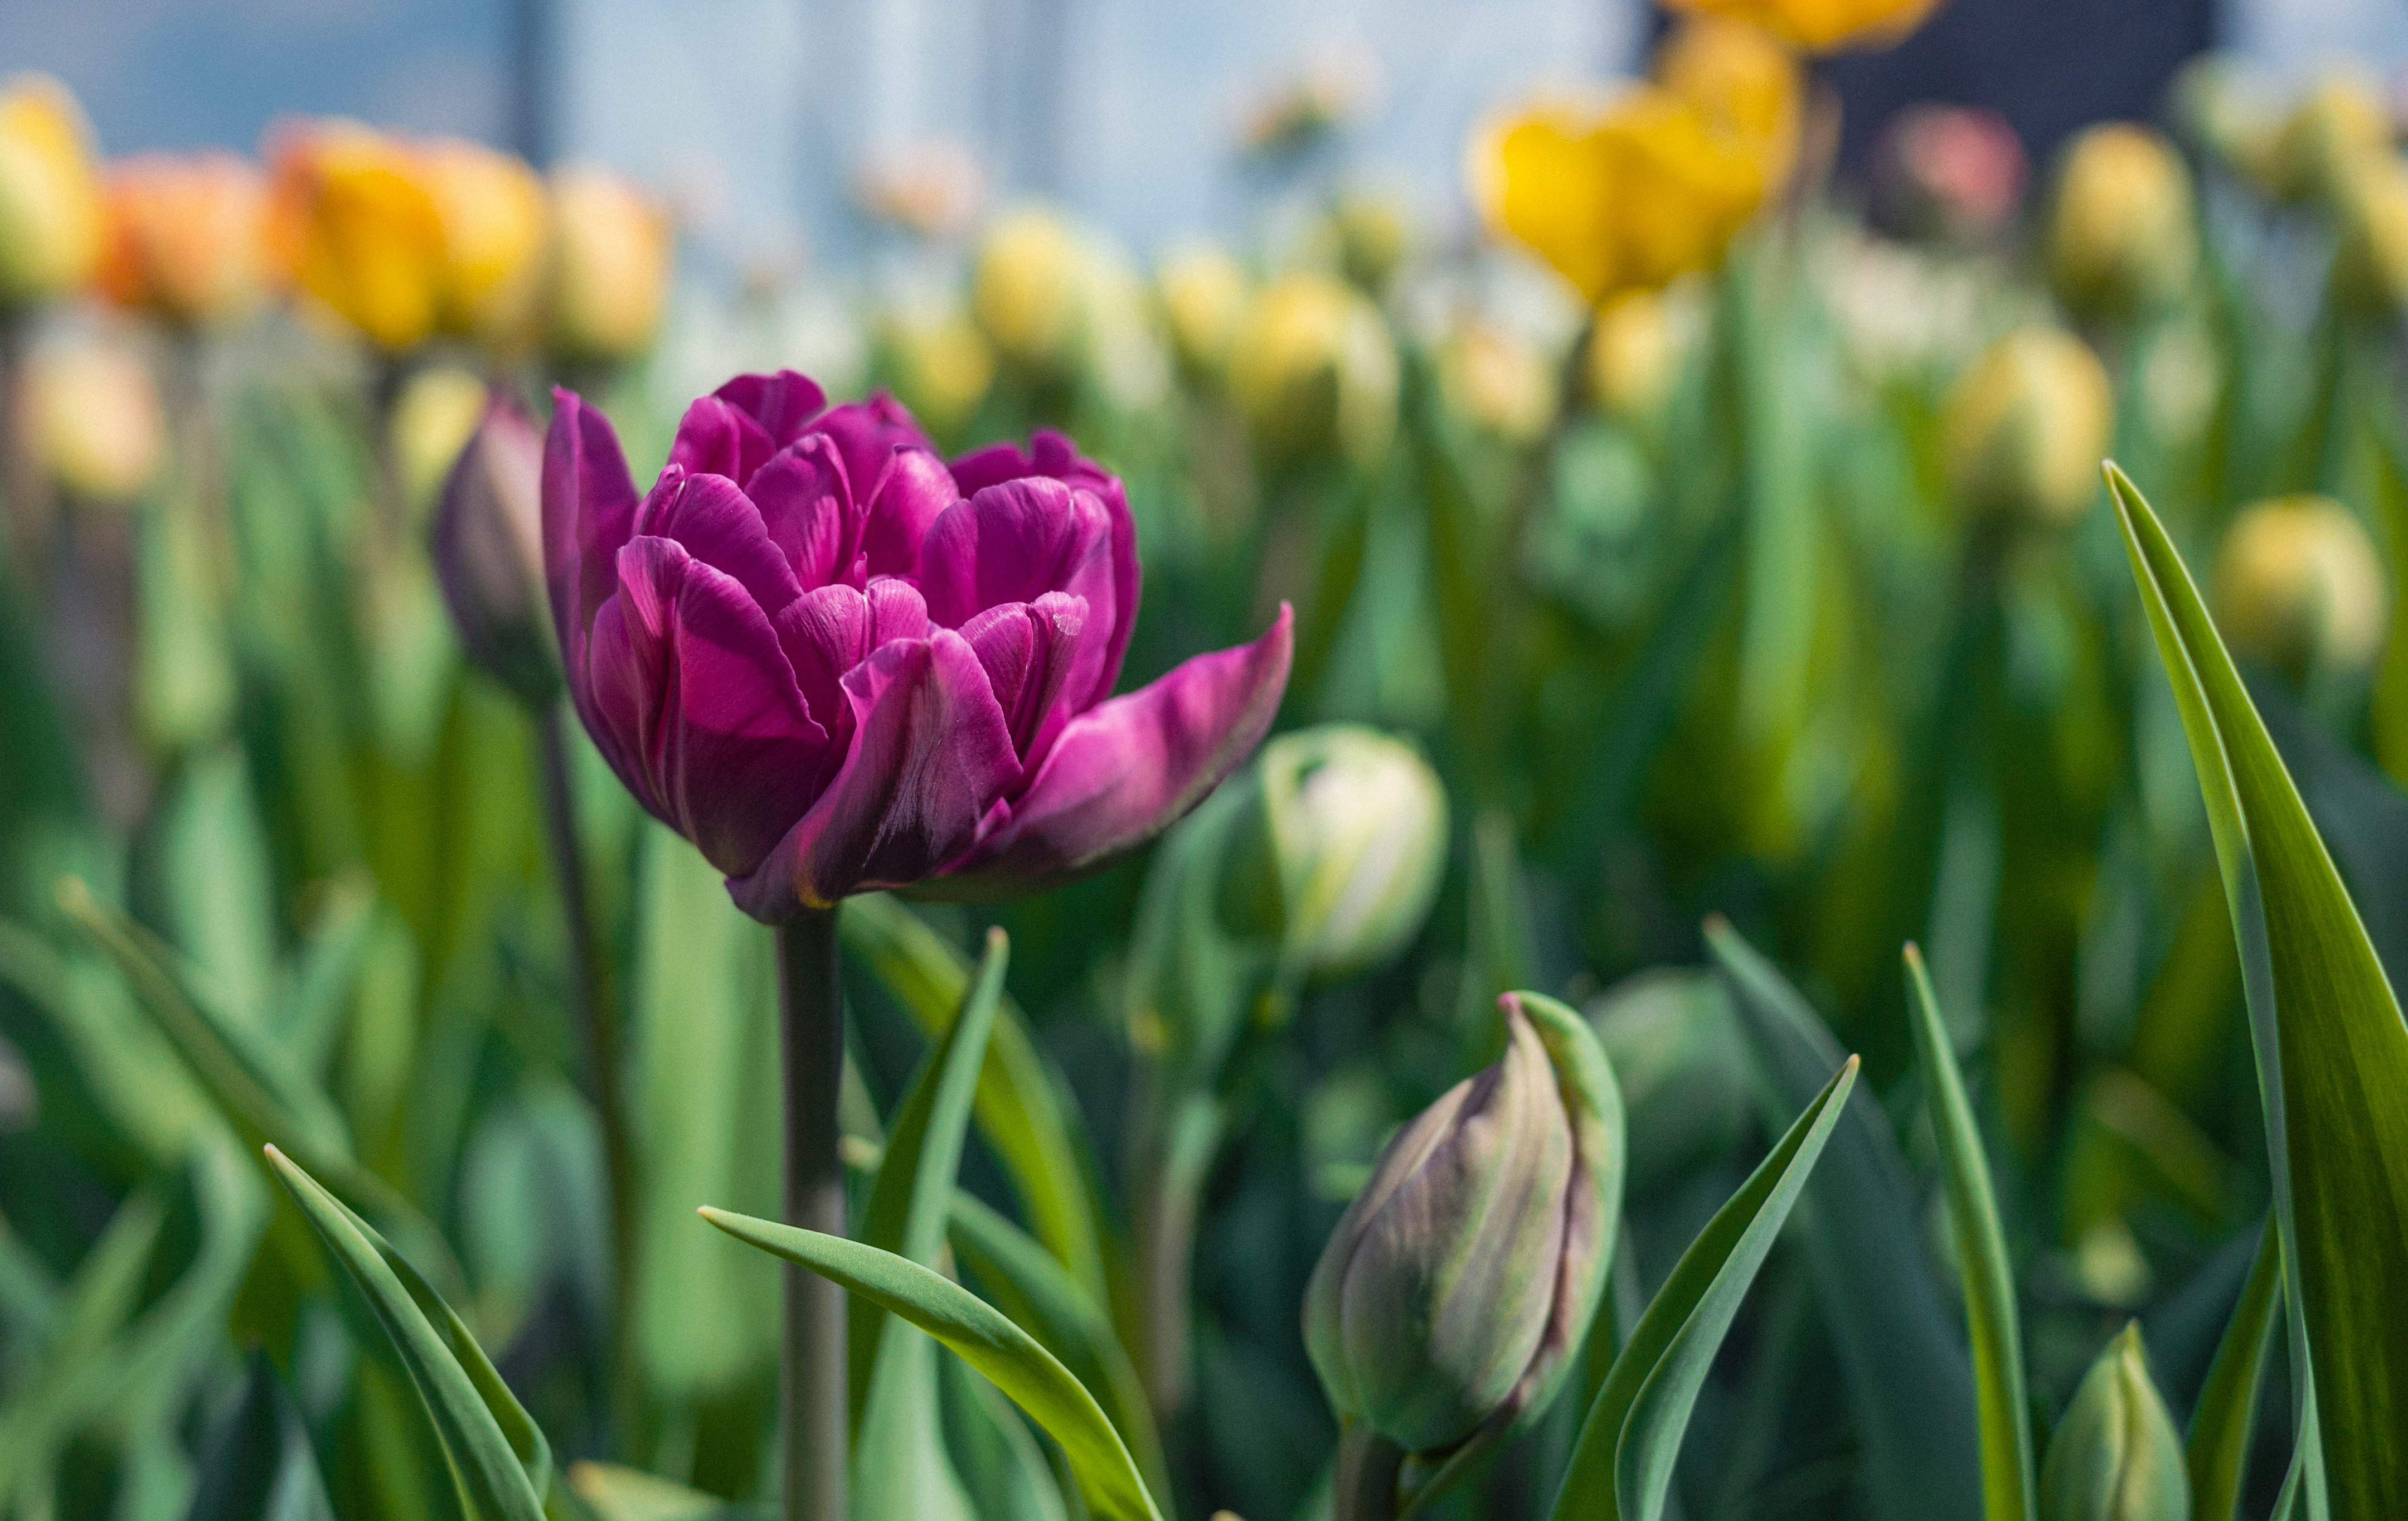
[[2218, 1451]]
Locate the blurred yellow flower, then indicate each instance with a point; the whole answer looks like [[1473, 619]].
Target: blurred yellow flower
[[433, 418], [1822, 25], [1497, 380], [1629, 197], [2340, 122], [492, 208], [187, 238], [1028, 290], [1633, 355], [2297, 585], [2122, 237], [611, 254], [2027, 426], [50, 199], [1315, 370], [942, 368], [97, 419], [360, 229], [2370, 265], [1370, 236], [1742, 82], [1203, 295]]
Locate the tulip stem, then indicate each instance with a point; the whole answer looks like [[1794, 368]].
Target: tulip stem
[[20, 470], [810, 1023], [1364, 1485], [589, 1008]]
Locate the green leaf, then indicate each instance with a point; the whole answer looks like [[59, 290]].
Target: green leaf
[[1002, 1464], [498, 1454], [2220, 1427], [1025, 1111], [1041, 1297], [216, 884], [1622, 1463], [1909, 1384], [983, 1337], [2332, 1052], [259, 1465], [2007, 1487], [898, 1445]]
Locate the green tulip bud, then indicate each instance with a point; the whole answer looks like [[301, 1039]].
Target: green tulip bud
[[2115, 1456], [1355, 827], [1448, 1302]]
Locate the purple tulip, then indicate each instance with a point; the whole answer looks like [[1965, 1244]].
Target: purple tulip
[[837, 665]]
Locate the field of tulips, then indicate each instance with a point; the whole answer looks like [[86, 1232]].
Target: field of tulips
[[1588, 869]]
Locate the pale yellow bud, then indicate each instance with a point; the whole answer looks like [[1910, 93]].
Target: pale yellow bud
[[1315, 370], [611, 255], [1633, 356], [1497, 380], [97, 421], [492, 208], [2337, 124], [50, 210], [2371, 264], [2298, 587], [2123, 239], [1028, 290], [1203, 295], [942, 368], [438, 409], [2027, 426]]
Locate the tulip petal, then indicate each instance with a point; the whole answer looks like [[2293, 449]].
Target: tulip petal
[[1052, 454], [806, 504], [781, 404], [1028, 648], [715, 438], [868, 433], [1126, 770], [718, 526], [589, 511], [696, 709], [914, 491], [1014, 542], [929, 757]]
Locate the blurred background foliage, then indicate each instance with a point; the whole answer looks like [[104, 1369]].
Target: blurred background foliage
[[1711, 533]]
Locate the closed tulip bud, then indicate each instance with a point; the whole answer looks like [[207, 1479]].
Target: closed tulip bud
[[2371, 265], [2027, 426], [1633, 356], [1952, 172], [1449, 1299], [488, 545], [97, 421], [187, 238], [1496, 380], [1315, 371], [50, 220], [2115, 1457], [1372, 235], [2338, 124], [1028, 290], [492, 208], [611, 255], [2298, 587], [1203, 295], [432, 419], [2122, 238], [1356, 825], [2224, 111]]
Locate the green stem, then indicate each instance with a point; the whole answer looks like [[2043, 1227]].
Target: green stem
[[22, 481], [1364, 1488], [810, 1023], [589, 1013]]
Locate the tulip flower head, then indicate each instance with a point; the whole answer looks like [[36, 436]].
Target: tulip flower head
[[493, 212], [837, 664], [2123, 239], [613, 253], [1451, 1298], [359, 228], [2334, 129], [2115, 1456], [50, 221], [2025, 427], [2297, 585], [187, 238], [2371, 264], [1823, 26], [97, 421], [1202, 291], [1315, 371], [488, 545]]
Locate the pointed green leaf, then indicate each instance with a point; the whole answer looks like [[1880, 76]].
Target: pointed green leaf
[[983, 1337], [2332, 1052], [1622, 1464], [1910, 1385], [502, 1461], [2220, 1427], [1025, 1111], [2007, 1491], [1004, 1468]]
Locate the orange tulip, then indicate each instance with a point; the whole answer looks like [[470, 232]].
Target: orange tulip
[[187, 238]]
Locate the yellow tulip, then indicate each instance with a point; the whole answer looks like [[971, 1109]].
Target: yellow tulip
[[187, 238], [361, 230], [1742, 82], [1371, 237], [611, 254], [2027, 426], [492, 208], [2122, 238], [1028, 290], [942, 368], [2371, 265], [97, 419], [1315, 371], [1627, 197], [1202, 291], [1497, 380], [1634, 354], [2337, 125], [1822, 25], [2297, 585], [433, 419], [50, 220]]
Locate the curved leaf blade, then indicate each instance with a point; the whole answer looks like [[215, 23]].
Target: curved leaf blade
[[2217, 1453], [2008, 1490], [982, 1336], [2331, 1047], [1622, 1464]]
